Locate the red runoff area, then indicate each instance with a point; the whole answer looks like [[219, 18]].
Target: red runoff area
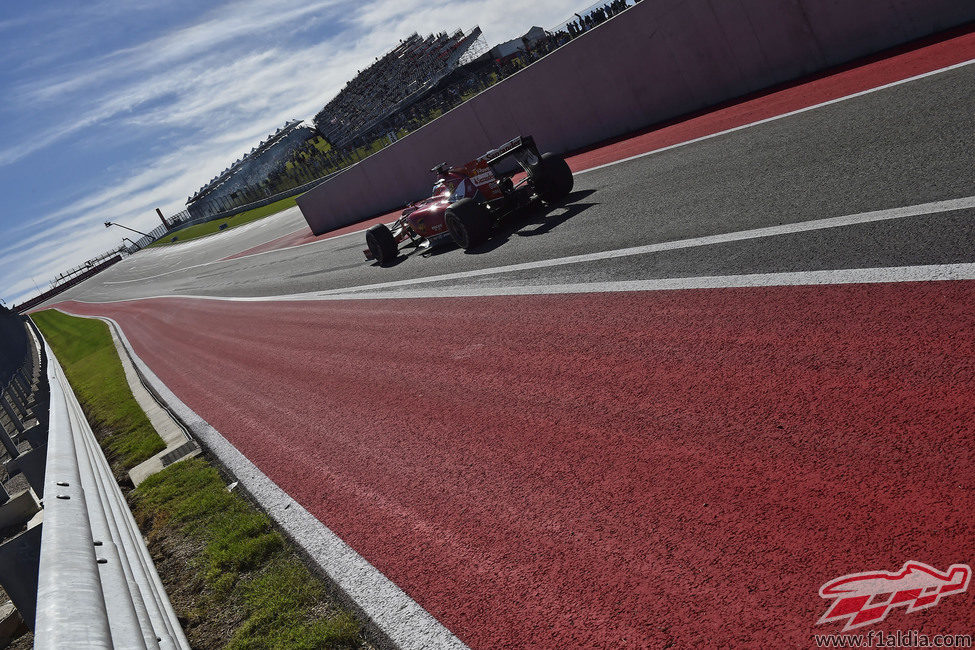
[[848, 81], [606, 469]]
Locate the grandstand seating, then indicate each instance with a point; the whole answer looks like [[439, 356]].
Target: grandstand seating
[[411, 67]]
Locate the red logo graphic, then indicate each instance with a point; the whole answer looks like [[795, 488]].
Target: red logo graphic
[[865, 598]]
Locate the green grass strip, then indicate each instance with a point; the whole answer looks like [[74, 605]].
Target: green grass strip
[[210, 227], [245, 565], [85, 350], [244, 562]]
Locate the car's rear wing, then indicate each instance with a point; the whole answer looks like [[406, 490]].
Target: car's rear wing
[[516, 155]]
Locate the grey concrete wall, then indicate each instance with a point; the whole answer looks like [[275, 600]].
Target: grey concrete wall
[[658, 60]]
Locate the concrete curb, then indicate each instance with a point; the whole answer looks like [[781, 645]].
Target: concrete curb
[[179, 442]]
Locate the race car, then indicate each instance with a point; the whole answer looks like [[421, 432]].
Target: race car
[[469, 201]]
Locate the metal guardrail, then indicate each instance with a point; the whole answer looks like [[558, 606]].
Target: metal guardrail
[[97, 585]]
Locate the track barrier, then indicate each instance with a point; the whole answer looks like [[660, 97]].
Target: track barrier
[[97, 586], [80, 574]]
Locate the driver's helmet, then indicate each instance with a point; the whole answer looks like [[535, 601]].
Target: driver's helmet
[[447, 185]]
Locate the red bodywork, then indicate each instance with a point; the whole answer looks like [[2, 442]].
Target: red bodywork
[[426, 217], [423, 223]]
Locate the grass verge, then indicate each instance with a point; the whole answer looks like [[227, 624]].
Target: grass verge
[[233, 579], [210, 227], [249, 576], [86, 351]]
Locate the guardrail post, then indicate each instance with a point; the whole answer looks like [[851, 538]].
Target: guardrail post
[[8, 443], [16, 395], [10, 413], [28, 381], [15, 402], [18, 565], [22, 390]]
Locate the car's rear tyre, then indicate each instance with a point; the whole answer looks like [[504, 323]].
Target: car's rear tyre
[[381, 244], [553, 179], [468, 222]]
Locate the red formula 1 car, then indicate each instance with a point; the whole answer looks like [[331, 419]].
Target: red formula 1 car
[[469, 201]]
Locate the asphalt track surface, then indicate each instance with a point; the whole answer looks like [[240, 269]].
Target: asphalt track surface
[[626, 468]]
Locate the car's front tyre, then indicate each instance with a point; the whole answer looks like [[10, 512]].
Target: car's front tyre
[[381, 244], [468, 222]]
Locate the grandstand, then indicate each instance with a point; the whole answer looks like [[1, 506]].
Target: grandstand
[[393, 81], [246, 174]]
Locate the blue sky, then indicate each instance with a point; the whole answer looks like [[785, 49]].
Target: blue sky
[[111, 109]]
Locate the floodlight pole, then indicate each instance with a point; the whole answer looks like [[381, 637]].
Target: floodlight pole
[[109, 224]]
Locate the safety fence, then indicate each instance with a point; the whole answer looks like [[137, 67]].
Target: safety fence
[[97, 586], [71, 274], [593, 15], [67, 284]]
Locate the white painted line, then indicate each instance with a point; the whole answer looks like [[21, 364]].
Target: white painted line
[[757, 233], [779, 117], [928, 273], [231, 258], [289, 234], [288, 248], [878, 275], [257, 224], [158, 275], [398, 616], [934, 207]]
